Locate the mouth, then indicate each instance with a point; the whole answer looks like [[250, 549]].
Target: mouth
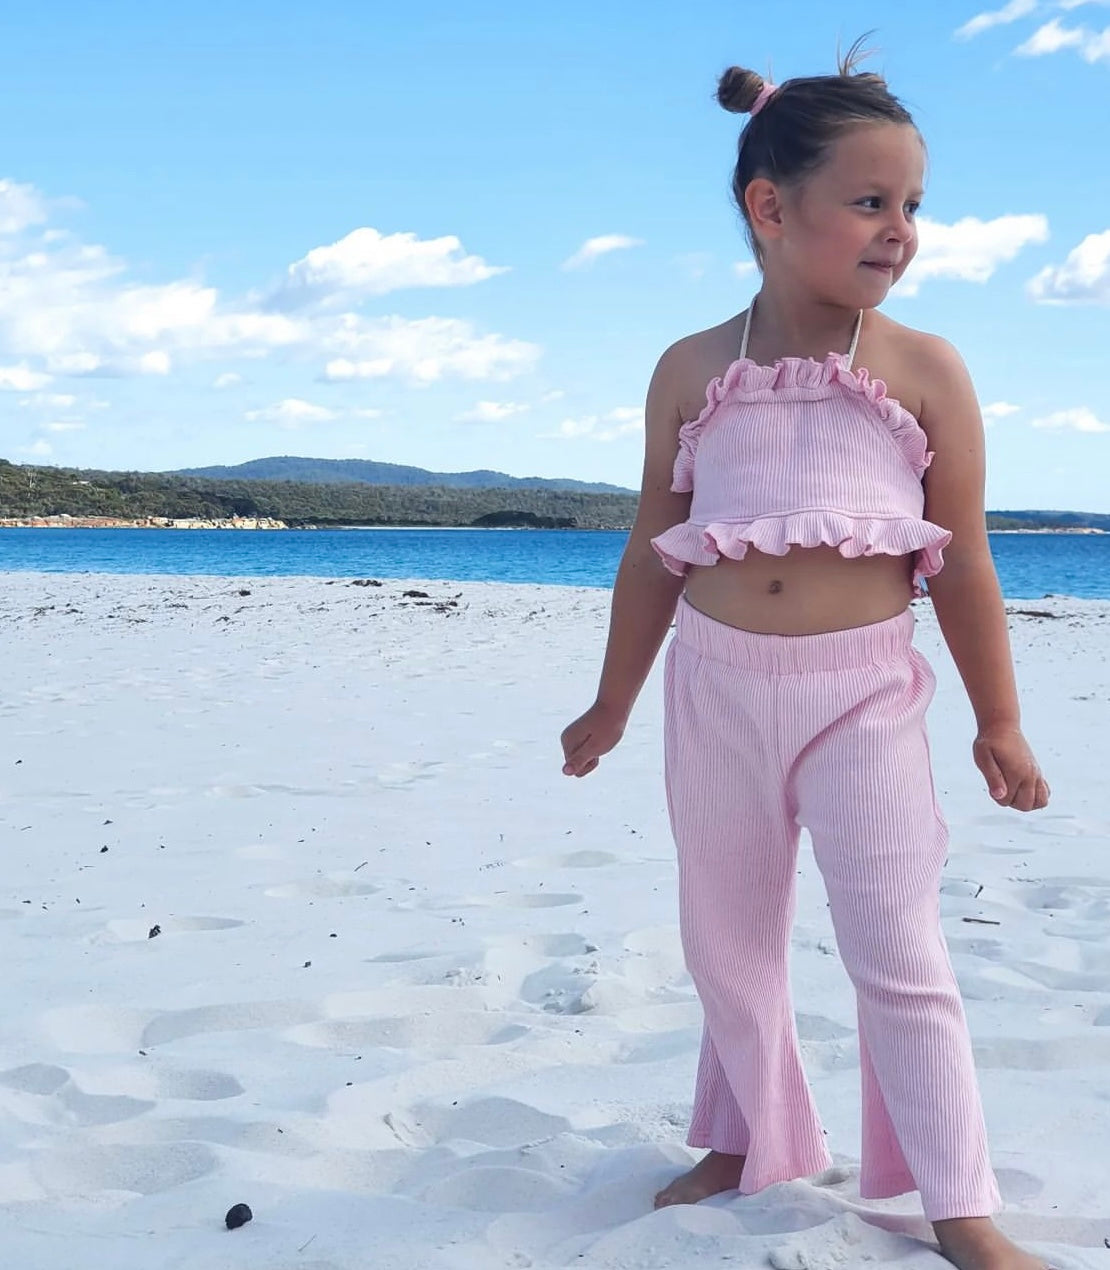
[[880, 265]]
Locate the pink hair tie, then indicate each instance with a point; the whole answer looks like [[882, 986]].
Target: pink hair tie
[[765, 94]]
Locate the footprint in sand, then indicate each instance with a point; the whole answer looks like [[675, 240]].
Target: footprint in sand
[[1044, 1055], [569, 860], [108, 1096], [131, 930], [145, 1170], [505, 899], [322, 888], [233, 791], [175, 1025], [491, 1121], [436, 1029], [544, 945], [404, 775]]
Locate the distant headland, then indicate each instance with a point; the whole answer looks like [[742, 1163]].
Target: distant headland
[[299, 493]]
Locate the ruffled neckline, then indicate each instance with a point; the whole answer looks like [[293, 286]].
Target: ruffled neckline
[[793, 372]]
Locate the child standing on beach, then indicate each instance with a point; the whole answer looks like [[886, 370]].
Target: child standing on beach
[[790, 513]]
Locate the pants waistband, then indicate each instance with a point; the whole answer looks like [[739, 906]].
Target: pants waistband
[[790, 654]]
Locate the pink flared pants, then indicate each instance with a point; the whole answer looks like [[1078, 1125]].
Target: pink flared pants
[[764, 735]]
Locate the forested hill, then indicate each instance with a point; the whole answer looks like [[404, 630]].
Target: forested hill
[[29, 492], [367, 472]]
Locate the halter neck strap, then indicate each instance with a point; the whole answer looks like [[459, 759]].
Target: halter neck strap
[[851, 354]]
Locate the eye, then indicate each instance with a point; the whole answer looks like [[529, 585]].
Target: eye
[[874, 201]]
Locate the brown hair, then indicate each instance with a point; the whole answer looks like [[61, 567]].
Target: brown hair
[[791, 135]]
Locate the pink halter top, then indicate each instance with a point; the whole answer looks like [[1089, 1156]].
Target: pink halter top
[[802, 452]]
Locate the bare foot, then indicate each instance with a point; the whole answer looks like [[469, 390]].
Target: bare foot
[[715, 1173], [976, 1243]]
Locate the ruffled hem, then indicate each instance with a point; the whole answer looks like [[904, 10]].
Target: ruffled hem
[[799, 378], [691, 544]]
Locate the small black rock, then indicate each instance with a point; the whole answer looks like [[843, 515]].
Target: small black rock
[[155, 931], [238, 1215]]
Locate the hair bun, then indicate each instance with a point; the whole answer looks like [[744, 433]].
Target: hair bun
[[737, 89]]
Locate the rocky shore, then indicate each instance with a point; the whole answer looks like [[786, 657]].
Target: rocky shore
[[145, 522]]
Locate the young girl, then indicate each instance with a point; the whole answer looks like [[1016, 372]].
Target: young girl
[[834, 462]]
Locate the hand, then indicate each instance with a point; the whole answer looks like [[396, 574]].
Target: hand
[[1013, 777], [589, 737]]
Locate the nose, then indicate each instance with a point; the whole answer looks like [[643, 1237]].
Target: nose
[[901, 228]]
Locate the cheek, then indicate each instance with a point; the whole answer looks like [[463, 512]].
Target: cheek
[[910, 250]]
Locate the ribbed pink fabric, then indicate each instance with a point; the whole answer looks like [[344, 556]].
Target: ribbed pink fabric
[[764, 734], [802, 452]]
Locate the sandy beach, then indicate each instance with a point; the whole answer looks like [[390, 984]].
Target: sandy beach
[[299, 912]]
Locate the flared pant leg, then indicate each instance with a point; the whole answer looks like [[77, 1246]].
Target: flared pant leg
[[737, 844], [865, 792]]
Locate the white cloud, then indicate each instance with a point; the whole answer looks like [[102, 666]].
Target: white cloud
[[1093, 46], [227, 380], [1084, 277], [21, 378], [999, 410], [624, 421], [996, 17], [744, 268], [291, 413], [20, 207], [366, 263], [1050, 38], [37, 450], [593, 248], [422, 350], [971, 249], [1079, 418], [367, 414], [68, 308], [492, 411], [64, 425], [155, 363]]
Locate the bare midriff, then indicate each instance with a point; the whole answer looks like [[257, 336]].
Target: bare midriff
[[805, 592]]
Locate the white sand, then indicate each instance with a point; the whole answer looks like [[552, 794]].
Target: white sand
[[417, 998]]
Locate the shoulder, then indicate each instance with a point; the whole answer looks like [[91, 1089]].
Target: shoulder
[[686, 368], [923, 371]]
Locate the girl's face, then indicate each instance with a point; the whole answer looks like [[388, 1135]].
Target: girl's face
[[849, 228]]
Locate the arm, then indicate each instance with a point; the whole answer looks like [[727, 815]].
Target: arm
[[645, 593], [966, 594]]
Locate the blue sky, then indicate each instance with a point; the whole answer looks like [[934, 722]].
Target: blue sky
[[459, 235]]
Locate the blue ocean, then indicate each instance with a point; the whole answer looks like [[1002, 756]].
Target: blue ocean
[[1030, 566]]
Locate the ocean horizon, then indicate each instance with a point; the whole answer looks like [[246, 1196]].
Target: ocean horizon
[[1030, 564]]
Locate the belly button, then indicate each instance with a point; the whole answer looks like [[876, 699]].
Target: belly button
[[775, 587]]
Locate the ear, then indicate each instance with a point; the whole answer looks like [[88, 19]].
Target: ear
[[765, 206]]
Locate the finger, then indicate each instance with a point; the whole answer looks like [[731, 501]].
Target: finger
[[1043, 794], [1026, 794], [569, 753], [589, 767], [579, 763], [996, 782]]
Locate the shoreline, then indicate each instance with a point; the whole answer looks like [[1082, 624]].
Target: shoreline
[[1045, 606], [265, 523]]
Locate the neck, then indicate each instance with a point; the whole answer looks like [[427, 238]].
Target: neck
[[785, 325]]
